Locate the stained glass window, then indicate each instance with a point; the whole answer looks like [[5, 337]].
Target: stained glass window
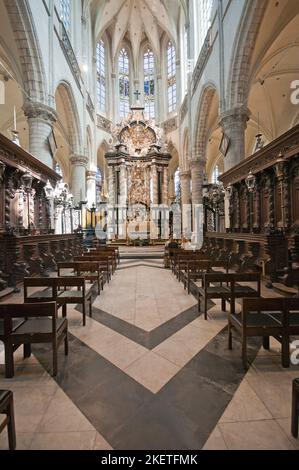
[[101, 76], [124, 83], [65, 13], [171, 77], [149, 83]]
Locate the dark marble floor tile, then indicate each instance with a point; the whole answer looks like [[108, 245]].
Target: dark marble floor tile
[[226, 374], [113, 403], [158, 426], [201, 401]]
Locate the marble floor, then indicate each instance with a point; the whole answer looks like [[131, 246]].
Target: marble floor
[[147, 372]]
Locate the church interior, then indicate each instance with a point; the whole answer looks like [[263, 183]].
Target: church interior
[[149, 225]]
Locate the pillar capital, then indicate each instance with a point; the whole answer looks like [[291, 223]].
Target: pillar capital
[[196, 162], [91, 175], [240, 115], [79, 160], [34, 110], [185, 174]]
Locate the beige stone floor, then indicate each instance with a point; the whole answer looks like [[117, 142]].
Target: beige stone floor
[[144, 296], [258, 416]]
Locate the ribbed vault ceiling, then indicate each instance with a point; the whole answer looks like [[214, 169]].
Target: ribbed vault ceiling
[[137, 20]]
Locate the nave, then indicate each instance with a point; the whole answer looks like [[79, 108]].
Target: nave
[[171, 382]]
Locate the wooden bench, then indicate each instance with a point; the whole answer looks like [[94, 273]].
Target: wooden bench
[[60, 290], [39, 324], [7, 409], [90, 270], [295, 408], [228, 289], [107, 249]]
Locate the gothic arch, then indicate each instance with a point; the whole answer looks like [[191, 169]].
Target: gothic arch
[[73, 127], [201, 127], [243, 48], [34, 77]]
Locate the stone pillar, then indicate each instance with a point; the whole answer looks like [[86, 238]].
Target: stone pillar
[[41, 119], [185, 201], [79, 164], [234, 123], [91, 187], [197, 176], [155, 184]]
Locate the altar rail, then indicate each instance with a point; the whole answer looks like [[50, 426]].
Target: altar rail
[[30, 255]]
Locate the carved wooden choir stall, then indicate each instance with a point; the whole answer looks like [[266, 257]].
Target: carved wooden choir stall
[[27, 241], [263, 224]]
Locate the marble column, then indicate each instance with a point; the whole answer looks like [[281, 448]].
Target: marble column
[[78, 187], [155, 185], [123, 185], [165, 186], [234, 123], [41, 119], [91, 187], [111, 186], [172, 194], [185, 177]]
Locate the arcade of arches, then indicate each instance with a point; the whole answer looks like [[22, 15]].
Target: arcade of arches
[[149, 149]]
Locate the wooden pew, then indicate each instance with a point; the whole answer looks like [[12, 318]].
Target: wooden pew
[[39, 325], [53, 292]]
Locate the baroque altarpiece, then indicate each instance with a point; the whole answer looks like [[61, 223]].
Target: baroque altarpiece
[[138, 179]]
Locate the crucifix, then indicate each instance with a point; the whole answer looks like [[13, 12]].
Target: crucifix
[[137, 94]]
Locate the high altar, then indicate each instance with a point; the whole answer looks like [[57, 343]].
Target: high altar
[[138, 180]]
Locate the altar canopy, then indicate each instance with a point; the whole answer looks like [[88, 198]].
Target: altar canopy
[[138, 179]]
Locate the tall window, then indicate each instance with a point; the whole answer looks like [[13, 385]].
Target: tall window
[[124, 83], [171, 77], [149, 83], [101, 76], [65, 13], [204, 16]]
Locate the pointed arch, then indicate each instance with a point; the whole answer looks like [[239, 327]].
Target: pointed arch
[[73, 126], [201, 127], [238, 87], [34, 76]]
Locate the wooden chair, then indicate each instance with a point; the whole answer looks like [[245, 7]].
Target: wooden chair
[[104, 262], [221, 291], [194, 271], [40, 325], [260, 317], [54, 292], [7, 409], [91, 271], [295, 408]]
